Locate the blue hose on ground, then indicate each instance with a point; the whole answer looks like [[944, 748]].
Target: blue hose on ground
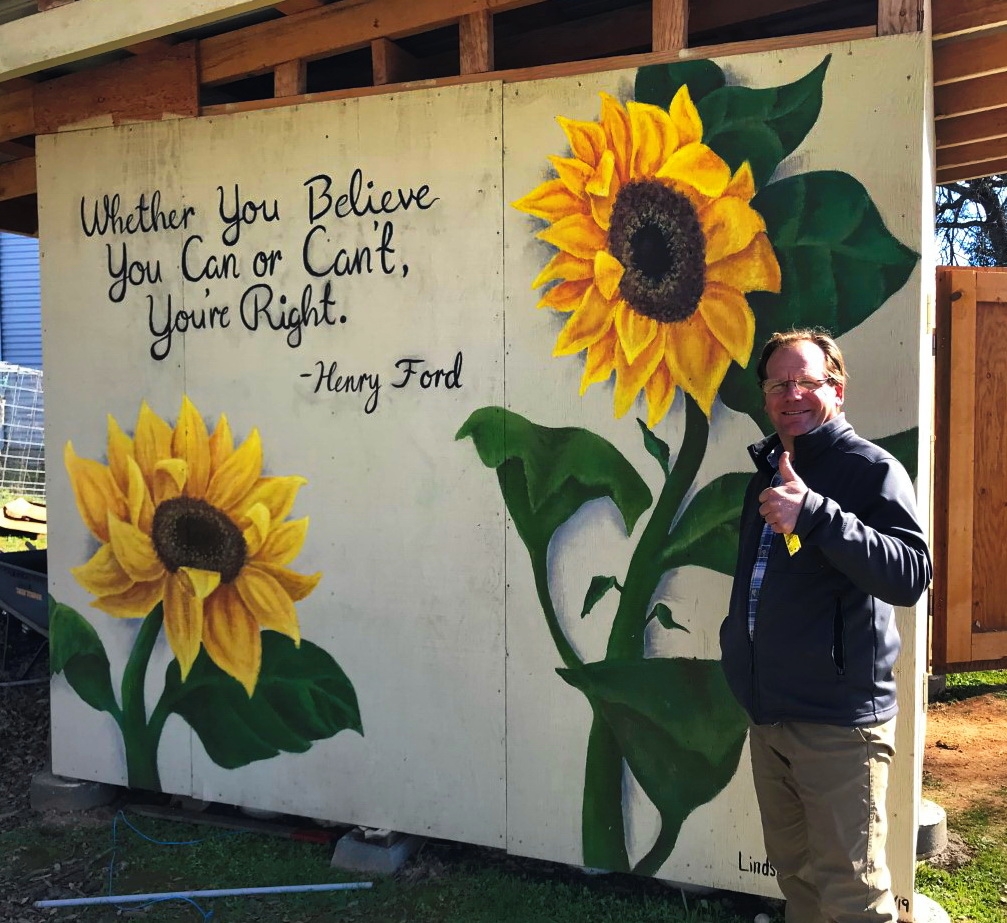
[[213, 892]]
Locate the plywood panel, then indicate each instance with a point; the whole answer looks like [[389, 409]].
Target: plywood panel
[[550, 724], [340, 304]]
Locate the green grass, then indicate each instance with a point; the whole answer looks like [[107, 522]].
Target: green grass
[[966, 685], [978, 890], [445, 883]]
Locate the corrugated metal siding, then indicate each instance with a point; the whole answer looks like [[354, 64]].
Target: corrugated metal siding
[[20, 301]]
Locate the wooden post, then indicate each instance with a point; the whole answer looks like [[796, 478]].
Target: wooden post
[[670, 25], [898, 16], [391, 63], [475, 43], [290, 78]]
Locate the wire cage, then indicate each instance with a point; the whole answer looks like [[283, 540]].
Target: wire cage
[[22, 449]]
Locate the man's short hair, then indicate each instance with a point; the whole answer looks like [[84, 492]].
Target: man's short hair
[[834, 363]]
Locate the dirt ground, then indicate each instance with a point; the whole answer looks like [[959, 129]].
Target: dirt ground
[[963, 764]]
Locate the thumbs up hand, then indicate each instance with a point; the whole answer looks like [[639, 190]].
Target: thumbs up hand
[[780, 506]]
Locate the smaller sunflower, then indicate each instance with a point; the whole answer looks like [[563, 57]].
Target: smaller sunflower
[[658, 247], [186, 519]]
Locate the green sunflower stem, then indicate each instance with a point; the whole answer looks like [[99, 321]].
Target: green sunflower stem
[[540, 568], [139, 738], [603, 828], [626, 641]]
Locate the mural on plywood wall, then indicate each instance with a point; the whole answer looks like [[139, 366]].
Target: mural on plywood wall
[[675, 251], [194, 540]]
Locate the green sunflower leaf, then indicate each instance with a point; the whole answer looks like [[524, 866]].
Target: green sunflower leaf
[[657, 84], [76, 651], [302, 696], [678, 728], [656, 446], [596, 592], [839, 264], [665, 618], [904, 447], [762, 126], [546, 474], [706, 534]]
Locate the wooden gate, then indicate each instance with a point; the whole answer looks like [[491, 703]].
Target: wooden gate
[[969, 628]]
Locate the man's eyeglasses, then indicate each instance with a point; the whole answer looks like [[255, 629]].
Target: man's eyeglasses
[[804, 385]]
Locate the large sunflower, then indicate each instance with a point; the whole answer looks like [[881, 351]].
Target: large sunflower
[[658, 246], [186, 519]]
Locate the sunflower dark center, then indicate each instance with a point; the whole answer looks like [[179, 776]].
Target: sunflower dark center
[[192, 533], [655, 233]]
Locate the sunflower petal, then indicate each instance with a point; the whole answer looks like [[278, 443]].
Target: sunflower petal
[[729, 226], [615, 121], [120, 452], [599, 362], [295, 585], [258, 528], [169, 477], [573, 173], [578, 235], [588, 324], [587, 139], [551, 200], [191, 441], [200, 583], [563, 266], [608, 273], [697, 360], [102, 575], [134, 551], [284, 542], [267, 601], [95, 492], [654, 136], [600, 183], [151, 441], [277, 494], [685, 117], [231, 637], [183, 621], [636, 331], [697, 166], [564, 297], [237, 476], [742, 185], [221, 443], [141, 508], [136, 602], [660, 391], [730, 319], [630, 377], [754, 269]]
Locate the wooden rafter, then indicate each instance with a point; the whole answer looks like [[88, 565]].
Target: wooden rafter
[[967, 129], [290, 79], [332, 29], [17, 114], [17, 179], [977, 56], [390, 63], [963, 155], [670, 30], [293, 7], [475, 43], [967, 96], [960, 17], [972, 171]]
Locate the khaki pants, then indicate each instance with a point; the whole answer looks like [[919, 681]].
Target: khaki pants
[[821, 791]]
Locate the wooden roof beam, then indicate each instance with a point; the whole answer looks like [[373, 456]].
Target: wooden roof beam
[[961, 17], [332, 29], [977, 56], [475, 43], [87, 28], [17, 114]]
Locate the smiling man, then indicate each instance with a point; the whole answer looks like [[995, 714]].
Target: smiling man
[[829, 544]]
